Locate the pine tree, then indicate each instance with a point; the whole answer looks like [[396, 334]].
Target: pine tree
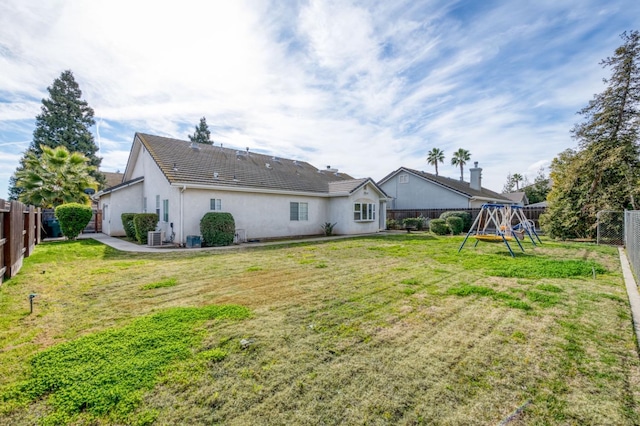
[[604, 174], [64, 120], [202, 133]]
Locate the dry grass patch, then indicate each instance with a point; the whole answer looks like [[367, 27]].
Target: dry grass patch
[[392, 329]]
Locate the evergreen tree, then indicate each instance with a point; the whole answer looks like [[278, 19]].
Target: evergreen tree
[[202, 133], [64, 120], [435, 156], [604, 174], [55, 177], [460, 158], [508, 186]]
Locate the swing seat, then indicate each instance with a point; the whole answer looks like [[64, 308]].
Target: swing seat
[[492, 238]]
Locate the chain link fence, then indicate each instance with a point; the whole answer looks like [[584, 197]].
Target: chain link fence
[[632, 239], [610, 227]]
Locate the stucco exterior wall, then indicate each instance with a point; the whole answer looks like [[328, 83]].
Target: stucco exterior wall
[[122, 200], [341, 212], [418, 193]]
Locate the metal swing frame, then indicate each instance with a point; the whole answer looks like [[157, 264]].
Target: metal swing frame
[[498, 215]]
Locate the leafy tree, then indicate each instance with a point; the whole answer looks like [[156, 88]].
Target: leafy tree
[[604, 174], [55, 178], [435, 156], [64, 120], [202, 133], [537, 192], [460, 158]]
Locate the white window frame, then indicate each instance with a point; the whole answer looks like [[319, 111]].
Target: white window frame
[[158, 206], [364, 212], [300, 212], [144, 204], [403, 178], [215, 204]]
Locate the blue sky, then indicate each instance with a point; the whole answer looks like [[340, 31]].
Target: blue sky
[[365, 87]]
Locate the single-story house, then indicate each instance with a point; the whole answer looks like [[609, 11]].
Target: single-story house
[[518, 198], [269, 197], [416, 190]]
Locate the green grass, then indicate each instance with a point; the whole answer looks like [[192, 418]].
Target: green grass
[[396, 329]]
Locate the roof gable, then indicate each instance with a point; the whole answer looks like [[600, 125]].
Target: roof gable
[[458, 186], [183, 162]]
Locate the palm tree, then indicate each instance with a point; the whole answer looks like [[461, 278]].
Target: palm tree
[[435, 156], [460, 158], [57, 177], [517, 178]]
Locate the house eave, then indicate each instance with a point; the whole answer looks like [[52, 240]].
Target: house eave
[[246, 189]]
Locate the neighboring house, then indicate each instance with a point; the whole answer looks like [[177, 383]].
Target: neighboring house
[[269, 197], [413, 189], [518, 198]]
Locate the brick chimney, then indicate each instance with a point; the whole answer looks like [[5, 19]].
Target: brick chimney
[[476, 177]]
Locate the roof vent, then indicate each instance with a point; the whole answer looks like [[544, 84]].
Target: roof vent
[[267, 165], [215, 175], [195, 146], [235, 179], [247, 150], [175, 167]]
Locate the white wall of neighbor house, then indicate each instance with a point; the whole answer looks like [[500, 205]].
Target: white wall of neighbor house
[[122, 200], [412, 192]]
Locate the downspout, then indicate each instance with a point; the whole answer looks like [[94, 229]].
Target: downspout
[[182, 239]]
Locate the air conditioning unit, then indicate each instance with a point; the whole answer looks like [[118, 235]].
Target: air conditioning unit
[[154, 238]]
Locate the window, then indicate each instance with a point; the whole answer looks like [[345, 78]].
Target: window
[[144, 205], [215, 204], [299, 211], [403, 178], [165, 210], [158, 206], [364, 212]]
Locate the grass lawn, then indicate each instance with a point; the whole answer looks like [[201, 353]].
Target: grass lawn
[[389, 329]]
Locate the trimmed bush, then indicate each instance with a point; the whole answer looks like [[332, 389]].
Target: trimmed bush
[[217, 229], [465, 216], [127, 224], [414, 222], [143, 223], [455, 224], [439, 227], [73, 217], [392, 224]]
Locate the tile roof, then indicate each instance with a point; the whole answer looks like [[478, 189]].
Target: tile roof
[[453, 184], [112, 179], [184, 162]]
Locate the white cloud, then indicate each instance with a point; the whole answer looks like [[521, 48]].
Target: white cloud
[[366, 87]]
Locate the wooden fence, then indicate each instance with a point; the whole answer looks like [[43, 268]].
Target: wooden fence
[[94, 225], [532, 213], [20, 228]]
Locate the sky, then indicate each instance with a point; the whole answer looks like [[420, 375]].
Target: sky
[[365, 87]]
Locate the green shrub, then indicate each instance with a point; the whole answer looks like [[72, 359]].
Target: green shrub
[[217, 229], [455, 224], [439, 227], [392, 224], [327, 227], [143, 223], [127, 224], [414, 222], [73, 218], [465, 216]]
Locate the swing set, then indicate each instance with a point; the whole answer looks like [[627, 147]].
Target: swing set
[[494, 224]]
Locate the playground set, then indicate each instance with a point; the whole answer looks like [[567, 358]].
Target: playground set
[[499, 223]]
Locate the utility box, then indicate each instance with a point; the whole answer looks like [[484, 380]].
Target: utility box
[[193, 241]]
